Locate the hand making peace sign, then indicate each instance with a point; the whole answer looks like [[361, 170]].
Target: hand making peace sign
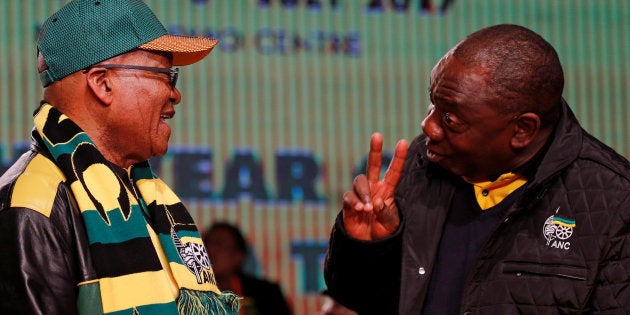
[[369, 210]]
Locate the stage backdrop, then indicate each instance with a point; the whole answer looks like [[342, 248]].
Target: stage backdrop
[[275, 123]]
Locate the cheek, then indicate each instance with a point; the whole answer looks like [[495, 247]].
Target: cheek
[[467, 145], [483, 149]]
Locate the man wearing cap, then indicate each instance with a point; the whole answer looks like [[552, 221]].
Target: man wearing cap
[[85, 225]]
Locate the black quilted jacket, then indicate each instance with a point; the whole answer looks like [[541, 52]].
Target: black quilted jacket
[[530, 264]]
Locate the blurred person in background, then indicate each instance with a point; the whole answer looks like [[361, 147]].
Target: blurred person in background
[[228, 251]]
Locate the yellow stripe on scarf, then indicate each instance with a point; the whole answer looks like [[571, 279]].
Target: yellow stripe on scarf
[[140, 288], [103, 185], [144, 288], [156, 190], [86, 204], [490, 194]]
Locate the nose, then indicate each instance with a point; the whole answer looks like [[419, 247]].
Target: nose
[[431, 126], [176, 96]]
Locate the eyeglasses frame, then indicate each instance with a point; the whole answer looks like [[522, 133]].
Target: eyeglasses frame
[[173, 73]]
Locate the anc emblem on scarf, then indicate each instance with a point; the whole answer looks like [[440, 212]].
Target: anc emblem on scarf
[[194, 257]]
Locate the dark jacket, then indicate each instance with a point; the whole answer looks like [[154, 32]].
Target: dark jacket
[[44, 251], [529, 264]]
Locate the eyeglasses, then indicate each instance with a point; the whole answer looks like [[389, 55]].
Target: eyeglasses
[[173, 73]]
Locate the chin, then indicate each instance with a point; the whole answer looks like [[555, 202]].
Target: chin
[[160, 151], [453, 169]]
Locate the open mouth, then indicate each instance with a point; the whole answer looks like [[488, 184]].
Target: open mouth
[[432, 155], [166, 116]]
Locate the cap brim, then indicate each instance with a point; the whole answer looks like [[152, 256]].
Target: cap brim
[[186, 50]]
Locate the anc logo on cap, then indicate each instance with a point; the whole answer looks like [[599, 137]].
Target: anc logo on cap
[[557, 231]]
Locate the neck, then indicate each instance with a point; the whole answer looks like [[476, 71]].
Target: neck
[[533, 149]]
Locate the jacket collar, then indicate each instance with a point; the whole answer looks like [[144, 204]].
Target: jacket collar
[[564, 148]]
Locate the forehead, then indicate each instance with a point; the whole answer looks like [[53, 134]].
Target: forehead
[[455, 84]]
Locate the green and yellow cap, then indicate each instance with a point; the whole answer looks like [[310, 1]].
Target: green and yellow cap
[[86, 32]]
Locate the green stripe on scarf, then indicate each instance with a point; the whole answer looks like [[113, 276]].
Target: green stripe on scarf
[[121, 229], [134, 281]]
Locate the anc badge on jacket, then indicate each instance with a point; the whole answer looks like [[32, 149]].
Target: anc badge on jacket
[[557, 231]]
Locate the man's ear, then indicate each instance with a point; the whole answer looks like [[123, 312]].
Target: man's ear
[[100, 84], [526, 128]]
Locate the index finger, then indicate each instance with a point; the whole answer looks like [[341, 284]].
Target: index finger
[[375, 157], [392, 176]]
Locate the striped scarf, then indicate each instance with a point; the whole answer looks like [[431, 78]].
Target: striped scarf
[[144, 266]]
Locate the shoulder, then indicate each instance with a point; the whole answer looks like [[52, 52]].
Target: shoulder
[[34, 197], [594, 186], [584, 164], [31, 183], [596, 154], [598, 171], [576, 149]]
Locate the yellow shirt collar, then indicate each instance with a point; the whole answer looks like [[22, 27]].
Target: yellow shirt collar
[[489, 194]]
